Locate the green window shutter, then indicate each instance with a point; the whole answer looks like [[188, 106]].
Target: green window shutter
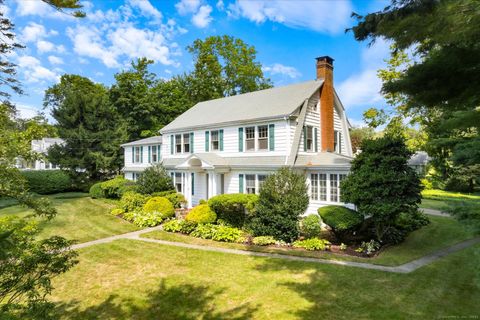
[[271, 136], [240, 139], [220, 137], [191, 143], [149, 154], [304, 138], [339, 142], [240, 183], [207, 141], [141, 154], [133, 154], [193, 183], [171, 144], [315, 139]]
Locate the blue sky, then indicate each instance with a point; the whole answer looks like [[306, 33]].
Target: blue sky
[[288, 35]]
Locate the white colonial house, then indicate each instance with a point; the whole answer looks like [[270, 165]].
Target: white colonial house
[[230, 145]]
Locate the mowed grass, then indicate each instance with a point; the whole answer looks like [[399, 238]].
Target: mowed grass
[[79, 218], [129, 279], [440, 233], [439, 199]]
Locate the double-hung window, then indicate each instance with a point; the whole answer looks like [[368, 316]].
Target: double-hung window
[[178, 182], [138, 154], [337, 141], [314, 186], [178, 143], [154, 154], [250, 183], [322, 187], [215, 144], [250, 138], [261, 179], [334, 194], [262, 137], [309, 138], [186, 142]]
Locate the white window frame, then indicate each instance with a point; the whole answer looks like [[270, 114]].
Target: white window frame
[[266, 138], [337, 141], [250, 139], [309, 132], [182, 181], [257, 183], [212, 146], [138, 154], [327, 186], [254, 187], [154, 154], [186, 142], [178, 143]]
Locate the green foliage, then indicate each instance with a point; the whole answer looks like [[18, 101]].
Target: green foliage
[[310, 226], [312, 244], [132, 201], [381, 184], [217, 232], [48, 181], [113, 188], [427, 184], [466, 212], [283, 198], [263, 240], [177, 199], [411, 221], [201, 214], [90, 126], [154, 179], [117, 212], [458, 183], [368, 247], [161, 206], [96, 191], [204, 231], [233, 208], [357, 135], [340, 219], [147, 219], [173, 225]]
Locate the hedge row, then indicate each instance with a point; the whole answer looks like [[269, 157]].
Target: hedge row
[[48, 181]]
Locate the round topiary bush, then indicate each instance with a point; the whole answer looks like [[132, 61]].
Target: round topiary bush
[[233, 208], [96, 191], [341, 220], [201, 214], [161, 205]]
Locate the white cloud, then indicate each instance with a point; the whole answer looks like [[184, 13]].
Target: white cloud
[[26, 111], [40, 8], [220, 5], [146, 8], [187, 6], [322, 16], [363, 88], [32, 32], [55, 60], [34, 71], [202, 18], [281, 69], [45, 46]]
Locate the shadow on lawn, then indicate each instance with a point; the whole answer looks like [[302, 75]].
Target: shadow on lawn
[[168, 302]]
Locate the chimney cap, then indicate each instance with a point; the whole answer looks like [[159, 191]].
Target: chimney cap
[[327, 59]]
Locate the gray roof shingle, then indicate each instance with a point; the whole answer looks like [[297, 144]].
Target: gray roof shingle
[[150, 140], [264, 104]]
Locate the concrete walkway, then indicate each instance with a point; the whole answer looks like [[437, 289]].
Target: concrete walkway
[[404, 268], [434, 212]]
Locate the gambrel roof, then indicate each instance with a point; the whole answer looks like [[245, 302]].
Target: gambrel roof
[[264, 104]]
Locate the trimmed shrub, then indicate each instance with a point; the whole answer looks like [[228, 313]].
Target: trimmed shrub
[[233, 208], [310, 226], [187, 227], [48, 181], [201, 214], [154, 179], [227, 234], [114, 188], [177, 199], [163, 193], [312, 244], [96, 191], [132, 201], [409, 222], [263, 240], [340, 219], [283, 198], [161, 206]]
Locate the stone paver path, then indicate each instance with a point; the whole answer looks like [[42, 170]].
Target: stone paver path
[[404, 268]]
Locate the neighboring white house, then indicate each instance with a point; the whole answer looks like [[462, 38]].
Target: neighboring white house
[[230, 145], [40, 146]]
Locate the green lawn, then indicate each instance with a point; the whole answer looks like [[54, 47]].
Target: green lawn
[[440, 233], [439, 199], [79, 218], [129, 279]]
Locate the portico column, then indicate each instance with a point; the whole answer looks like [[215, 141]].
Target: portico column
[[213, 184]]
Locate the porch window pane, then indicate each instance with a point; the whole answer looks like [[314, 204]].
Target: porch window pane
[[178, 182], [261, 179], [322, 186], [154, 154], [137, 154], [250, 183], [262, 137], [250, 138], [314, 186], [178, 143], [342, 177], [333, 187]]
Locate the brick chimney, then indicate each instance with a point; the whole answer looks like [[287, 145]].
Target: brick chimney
[[325, 72]]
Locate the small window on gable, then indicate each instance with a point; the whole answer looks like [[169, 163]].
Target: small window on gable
[[337, 141], [315, 106], [262, 137], [250, 138], [214, 140], [309, 138]]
